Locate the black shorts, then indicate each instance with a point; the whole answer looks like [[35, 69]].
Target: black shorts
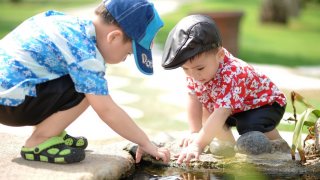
[[263, 119], [52, 96]]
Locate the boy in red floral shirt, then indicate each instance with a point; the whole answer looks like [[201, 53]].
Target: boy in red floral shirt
[[224, 91]]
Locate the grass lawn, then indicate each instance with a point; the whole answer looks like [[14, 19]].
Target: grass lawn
[[292, 45], [12, 14]]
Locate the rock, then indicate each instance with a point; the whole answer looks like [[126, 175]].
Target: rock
[[278, 163], [222, 148], [103, 161], [253, 143], [280, 145], [161, 139], [311, 150]]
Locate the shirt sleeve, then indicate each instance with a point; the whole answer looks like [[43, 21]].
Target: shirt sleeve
[[190, 86]]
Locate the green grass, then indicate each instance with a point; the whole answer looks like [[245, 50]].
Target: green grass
[[292, 45], [12, 14]]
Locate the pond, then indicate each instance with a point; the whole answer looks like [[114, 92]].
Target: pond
[[148, 171]]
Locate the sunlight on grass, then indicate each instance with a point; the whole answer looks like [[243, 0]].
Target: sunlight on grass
[[12, 14], [291, 45]]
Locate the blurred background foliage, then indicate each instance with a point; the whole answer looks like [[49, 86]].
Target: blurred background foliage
[[13, 12], [292, 44]]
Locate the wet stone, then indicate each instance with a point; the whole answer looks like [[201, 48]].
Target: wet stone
[[310, 149], [253, 143], [280, 145], [277, 161]]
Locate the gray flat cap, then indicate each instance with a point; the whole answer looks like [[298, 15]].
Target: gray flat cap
[[192, 35]]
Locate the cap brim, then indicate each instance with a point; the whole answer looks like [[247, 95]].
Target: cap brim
[[143, 58]]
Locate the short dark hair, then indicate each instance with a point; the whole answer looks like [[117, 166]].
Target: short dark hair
[[211, 50], [108, 18]]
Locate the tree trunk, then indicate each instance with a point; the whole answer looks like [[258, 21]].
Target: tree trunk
[[275, 11], [294, 7]]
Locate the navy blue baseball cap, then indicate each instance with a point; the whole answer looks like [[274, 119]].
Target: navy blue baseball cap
[[141, 22]]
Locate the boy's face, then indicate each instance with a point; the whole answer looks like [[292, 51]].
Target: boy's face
[[204, 67]]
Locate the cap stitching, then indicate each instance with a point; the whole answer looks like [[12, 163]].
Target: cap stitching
[[144, 32], [132, 9]]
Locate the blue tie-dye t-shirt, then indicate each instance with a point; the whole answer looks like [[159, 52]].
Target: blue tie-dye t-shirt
[[45, 47]]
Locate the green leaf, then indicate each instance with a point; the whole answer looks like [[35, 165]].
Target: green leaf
[[306, 118]]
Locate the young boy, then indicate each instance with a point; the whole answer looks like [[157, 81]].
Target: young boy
[[224, 91], [52, 68]]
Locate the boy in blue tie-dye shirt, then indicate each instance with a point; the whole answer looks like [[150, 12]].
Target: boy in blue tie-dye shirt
[[53, 67]]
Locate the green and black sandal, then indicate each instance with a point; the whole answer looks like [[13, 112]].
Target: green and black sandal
[[75, 142], [53, 150]]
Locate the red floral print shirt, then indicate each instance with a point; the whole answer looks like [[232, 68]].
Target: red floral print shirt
[[238, 86]]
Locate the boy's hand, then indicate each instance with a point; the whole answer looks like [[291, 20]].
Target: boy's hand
[[188, 153], [158, 153], [188, 139]]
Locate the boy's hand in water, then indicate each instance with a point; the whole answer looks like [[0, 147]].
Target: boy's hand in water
[[188, 139], [158, 153]]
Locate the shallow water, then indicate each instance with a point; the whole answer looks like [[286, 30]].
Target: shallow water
[[153, 172]]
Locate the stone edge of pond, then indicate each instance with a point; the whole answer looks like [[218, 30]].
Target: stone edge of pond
[[269, 163]]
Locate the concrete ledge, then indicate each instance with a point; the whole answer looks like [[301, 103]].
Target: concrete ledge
[[102, 161]]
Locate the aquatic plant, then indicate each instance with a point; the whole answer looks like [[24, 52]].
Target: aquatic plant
[[310, 118]]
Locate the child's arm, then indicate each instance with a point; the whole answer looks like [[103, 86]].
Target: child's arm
[[213, 126], [194, 110], [121, 123]]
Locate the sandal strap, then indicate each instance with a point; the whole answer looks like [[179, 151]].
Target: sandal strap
[[53, 150], [46, 144], [75, 142]]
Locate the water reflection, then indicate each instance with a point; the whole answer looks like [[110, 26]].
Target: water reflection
[[151, 172], [154, 172]]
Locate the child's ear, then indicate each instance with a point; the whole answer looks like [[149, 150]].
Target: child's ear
[[114, 35], [220, 53]]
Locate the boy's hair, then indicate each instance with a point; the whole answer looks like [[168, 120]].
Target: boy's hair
[[210, 50], [109, 19], [192, 36]]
